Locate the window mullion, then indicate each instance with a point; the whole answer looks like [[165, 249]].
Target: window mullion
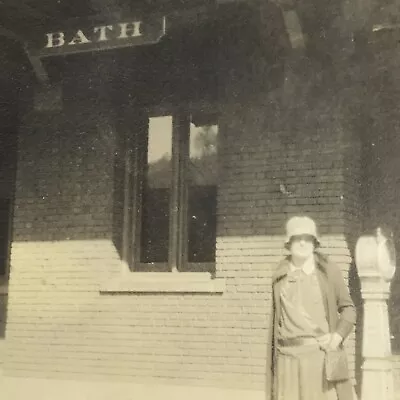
[[139, 166], [127, 201], [183, 198], [177, 209]]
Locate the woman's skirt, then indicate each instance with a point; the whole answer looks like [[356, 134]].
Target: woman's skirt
[[300, 374]]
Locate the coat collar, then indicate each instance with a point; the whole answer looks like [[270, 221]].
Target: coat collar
[[284, 266]]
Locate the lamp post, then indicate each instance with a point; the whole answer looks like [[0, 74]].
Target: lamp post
[[375, 260]]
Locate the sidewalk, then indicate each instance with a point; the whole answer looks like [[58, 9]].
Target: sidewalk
[[17, 388]]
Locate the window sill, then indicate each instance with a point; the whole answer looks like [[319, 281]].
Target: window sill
[[164, 282]]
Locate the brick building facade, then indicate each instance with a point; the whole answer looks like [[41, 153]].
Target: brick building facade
[[85, 319]]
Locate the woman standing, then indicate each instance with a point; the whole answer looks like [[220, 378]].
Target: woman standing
[[312, 315]]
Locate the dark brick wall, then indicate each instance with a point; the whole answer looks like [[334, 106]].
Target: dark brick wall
[[64, 177]]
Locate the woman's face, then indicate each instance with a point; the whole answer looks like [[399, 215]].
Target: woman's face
[[302, 246]]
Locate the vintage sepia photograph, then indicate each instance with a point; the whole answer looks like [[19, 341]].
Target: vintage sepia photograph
[[199, 199]]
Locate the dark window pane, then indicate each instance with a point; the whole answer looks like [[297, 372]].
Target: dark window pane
[[202, 193], [156, 192], [202, 223]]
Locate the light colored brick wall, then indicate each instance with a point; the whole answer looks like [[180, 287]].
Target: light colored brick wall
[[59, 324]]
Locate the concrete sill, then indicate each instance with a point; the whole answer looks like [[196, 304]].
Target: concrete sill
[[164, 282]]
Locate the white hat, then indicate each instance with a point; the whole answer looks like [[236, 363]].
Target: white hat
[[301, 226]]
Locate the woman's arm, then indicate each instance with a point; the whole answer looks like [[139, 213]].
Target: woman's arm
[[345, 305]]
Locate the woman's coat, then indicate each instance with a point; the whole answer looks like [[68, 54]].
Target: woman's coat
[[339, 308]]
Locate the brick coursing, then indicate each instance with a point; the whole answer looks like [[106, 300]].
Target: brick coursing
[[59, 324], [62, 189]]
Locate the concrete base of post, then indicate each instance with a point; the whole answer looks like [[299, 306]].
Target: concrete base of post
[[377, 380]]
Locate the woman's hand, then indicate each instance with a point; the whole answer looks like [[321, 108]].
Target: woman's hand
[[324, 340], [330, 341], [335, 342]]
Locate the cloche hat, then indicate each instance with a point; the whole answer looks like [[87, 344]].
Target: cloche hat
[[301, 225]]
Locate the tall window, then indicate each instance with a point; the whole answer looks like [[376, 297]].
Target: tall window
[[171, 194], [156, 192]]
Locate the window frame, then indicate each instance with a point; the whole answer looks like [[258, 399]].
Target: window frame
[[7, 244], [135, 160]]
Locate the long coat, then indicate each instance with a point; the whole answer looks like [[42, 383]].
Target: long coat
[[339, 309]]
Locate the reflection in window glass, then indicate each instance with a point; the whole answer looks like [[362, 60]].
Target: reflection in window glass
[[156, 191], [202, 193]]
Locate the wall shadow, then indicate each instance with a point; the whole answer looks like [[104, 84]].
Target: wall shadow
[[355, 292]]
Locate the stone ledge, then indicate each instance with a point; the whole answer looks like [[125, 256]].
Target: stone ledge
[[163, 282], [23, 386]]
